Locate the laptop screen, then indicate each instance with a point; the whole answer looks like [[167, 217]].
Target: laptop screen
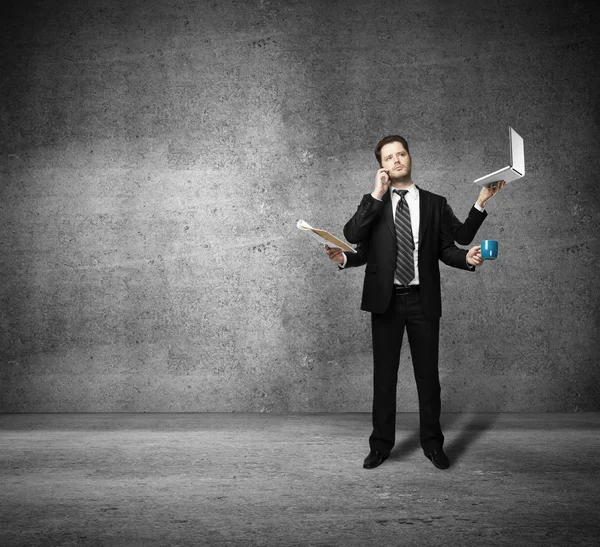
[[517, 153]]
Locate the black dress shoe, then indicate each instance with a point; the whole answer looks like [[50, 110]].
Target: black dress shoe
[[439, 459], [374, 459]]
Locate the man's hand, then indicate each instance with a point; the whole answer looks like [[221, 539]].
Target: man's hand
[[474, 256], [382, 184], [335, 254], [488, 192]]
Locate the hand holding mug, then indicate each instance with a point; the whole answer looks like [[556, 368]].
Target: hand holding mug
[[474, 256]]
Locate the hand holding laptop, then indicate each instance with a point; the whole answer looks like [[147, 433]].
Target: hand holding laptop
[[488, 192]]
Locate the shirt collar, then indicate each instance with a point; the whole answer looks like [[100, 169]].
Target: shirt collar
[[413, 191]]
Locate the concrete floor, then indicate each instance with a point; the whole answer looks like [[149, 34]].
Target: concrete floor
[[284, 480]]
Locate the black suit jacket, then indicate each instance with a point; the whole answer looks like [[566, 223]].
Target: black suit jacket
[[372, 229]]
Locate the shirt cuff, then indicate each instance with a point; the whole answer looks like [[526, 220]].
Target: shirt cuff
[[376, 198], [478, 207], [342, 266]]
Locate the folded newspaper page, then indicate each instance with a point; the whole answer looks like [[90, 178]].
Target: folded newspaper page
[[323, 237]]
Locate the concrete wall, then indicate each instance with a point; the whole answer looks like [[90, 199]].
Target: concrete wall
[[155, 157]]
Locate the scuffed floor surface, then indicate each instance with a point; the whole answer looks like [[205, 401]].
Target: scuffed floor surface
[[285, 480]]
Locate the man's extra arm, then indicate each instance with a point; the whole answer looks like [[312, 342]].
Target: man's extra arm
[[450, 254], [464, 232], [359, 258]]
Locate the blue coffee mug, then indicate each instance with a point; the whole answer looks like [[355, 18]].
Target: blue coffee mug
[[489, 249]]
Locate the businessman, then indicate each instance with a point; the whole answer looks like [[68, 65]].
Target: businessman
[[401, 231]]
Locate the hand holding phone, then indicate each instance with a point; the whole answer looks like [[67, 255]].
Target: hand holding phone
[[382, 183]]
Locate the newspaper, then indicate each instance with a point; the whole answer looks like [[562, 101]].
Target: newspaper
[[323, 236]]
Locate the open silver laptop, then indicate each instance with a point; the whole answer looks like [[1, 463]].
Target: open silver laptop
[[515, 170]]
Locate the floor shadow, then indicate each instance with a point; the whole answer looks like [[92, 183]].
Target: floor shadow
[[412, 442], [469, 433], [404, 448]]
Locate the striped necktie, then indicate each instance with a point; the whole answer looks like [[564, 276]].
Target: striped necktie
[[405, 265]]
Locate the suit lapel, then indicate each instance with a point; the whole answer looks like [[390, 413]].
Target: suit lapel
[[424, 207], [387, 214]]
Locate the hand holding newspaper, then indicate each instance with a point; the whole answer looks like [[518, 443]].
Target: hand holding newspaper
[[323, 237]]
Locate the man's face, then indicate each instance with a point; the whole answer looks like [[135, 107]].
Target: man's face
[[395, 160]]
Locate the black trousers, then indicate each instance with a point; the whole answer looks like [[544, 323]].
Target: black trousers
[[405, 312]]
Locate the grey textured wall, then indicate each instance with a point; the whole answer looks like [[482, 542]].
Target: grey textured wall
[[155, 157]]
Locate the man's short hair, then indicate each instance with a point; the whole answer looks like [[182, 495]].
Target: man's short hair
[[388, 140]]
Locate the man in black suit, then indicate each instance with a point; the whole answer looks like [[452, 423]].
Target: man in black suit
[[401, 232]]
